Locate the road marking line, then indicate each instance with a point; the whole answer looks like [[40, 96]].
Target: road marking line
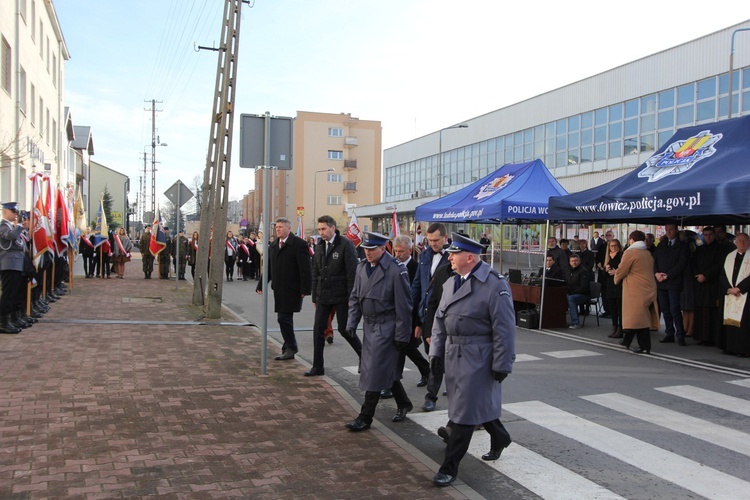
[[669, 466], [529, 469], [526, 357], [744, 382], [704, 430], [710, 398], [573, 353]]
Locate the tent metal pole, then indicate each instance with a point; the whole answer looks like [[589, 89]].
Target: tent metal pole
[[544, 276]]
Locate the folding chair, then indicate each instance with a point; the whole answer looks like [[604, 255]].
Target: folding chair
[[596, 292]]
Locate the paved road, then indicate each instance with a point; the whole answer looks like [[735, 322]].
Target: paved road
[[588, 419]]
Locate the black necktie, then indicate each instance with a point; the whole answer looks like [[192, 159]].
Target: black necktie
[[457, 283], [328, 248], [281, 244]]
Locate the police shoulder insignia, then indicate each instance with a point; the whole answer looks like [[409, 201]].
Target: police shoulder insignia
[[504, 293]]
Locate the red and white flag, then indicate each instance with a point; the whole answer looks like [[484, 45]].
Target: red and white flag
[[353, 232], [49, 204], [62, 222], [39, 220], [394, 223], [419, 238]]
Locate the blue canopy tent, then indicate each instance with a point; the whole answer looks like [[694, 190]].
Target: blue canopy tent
[[700, 176], [514, 192]]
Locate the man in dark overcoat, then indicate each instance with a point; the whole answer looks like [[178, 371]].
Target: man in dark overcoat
[[670, 260], [333, 270], [290, 275], [474, 333], [381, 298], [706, 266]]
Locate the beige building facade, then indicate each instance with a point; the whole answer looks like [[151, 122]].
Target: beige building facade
[[336, 168]]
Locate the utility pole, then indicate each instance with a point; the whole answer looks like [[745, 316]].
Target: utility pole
[[142, 201], [216, 176], [153, 153]]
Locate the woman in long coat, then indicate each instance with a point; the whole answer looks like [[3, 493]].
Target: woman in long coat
[[636, 273]]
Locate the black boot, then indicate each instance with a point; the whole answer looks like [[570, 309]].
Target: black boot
[[15, 320], [7, 327], [627, 338]]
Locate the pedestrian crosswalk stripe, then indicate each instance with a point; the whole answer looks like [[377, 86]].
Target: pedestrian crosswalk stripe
[[531, 470], [354, 370], [573, 353], [745, 382], [710, 398], [669, 466], [526, 357], [700, 429]]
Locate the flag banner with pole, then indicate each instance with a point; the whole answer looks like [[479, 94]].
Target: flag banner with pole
[[261, 243], [158, 236], [101, 231], [80, 213], [353, 232], [418, 238], [394, 222], [73, 232], [39, 220], [300, 228], [62, 222], [49, 204]]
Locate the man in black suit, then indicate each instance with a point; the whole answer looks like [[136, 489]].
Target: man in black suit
[[402, 248], [333, 270], [290, 270]]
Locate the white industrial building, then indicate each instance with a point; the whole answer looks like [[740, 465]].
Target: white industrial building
[[587, 133]]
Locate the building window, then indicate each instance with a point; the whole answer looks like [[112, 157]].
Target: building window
[[54, 70], [5, 70], [22, 9], [46, 124], [47, 54], [33, 20], [335, 155], [335, 177], [54, 134], [41, 116], [41, 39], [22, 91], [335, 132], [334, 200]]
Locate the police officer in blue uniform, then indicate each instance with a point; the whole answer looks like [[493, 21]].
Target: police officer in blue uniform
[[12, 248], [381, 298], [474, 334]]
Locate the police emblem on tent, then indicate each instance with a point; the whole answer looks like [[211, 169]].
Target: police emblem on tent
[[493, 186], [680, 156]]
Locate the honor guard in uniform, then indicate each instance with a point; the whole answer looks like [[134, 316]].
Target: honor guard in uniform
[[12, 248], [474, 333], [165, 256], [180, 242], [146, 255], [381, 298]]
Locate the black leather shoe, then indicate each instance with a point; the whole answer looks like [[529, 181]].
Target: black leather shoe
[[443, 480], [288, 354], [444, 432], [641, 350], [667, 340], [422, 382], [315, 372], [681, 342], [429, 405], [492, 455], [400, 415], [386, 393], [357, 425]]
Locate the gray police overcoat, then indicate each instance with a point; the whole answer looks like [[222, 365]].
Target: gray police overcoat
[[12, 246], [383, 302], [474, 333]]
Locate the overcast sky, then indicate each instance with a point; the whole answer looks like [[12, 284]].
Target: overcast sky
[[414, 65]]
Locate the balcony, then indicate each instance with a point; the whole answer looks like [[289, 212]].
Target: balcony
[[350, 187], [350, 164], [350, 142]]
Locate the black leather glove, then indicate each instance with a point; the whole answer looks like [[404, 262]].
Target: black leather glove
[[350, 333], [499, 376], [401, 346]]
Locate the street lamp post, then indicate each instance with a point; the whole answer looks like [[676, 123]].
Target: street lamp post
[[731, 70], [315, 196], [440, 156]]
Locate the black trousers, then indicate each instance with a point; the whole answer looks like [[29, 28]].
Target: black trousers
[[615, 309], [412, 352], [435, 379], [10, 285], [372, 397], [460, 439], [88, 265], [643, 335], [286, 325], [322, 312]]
